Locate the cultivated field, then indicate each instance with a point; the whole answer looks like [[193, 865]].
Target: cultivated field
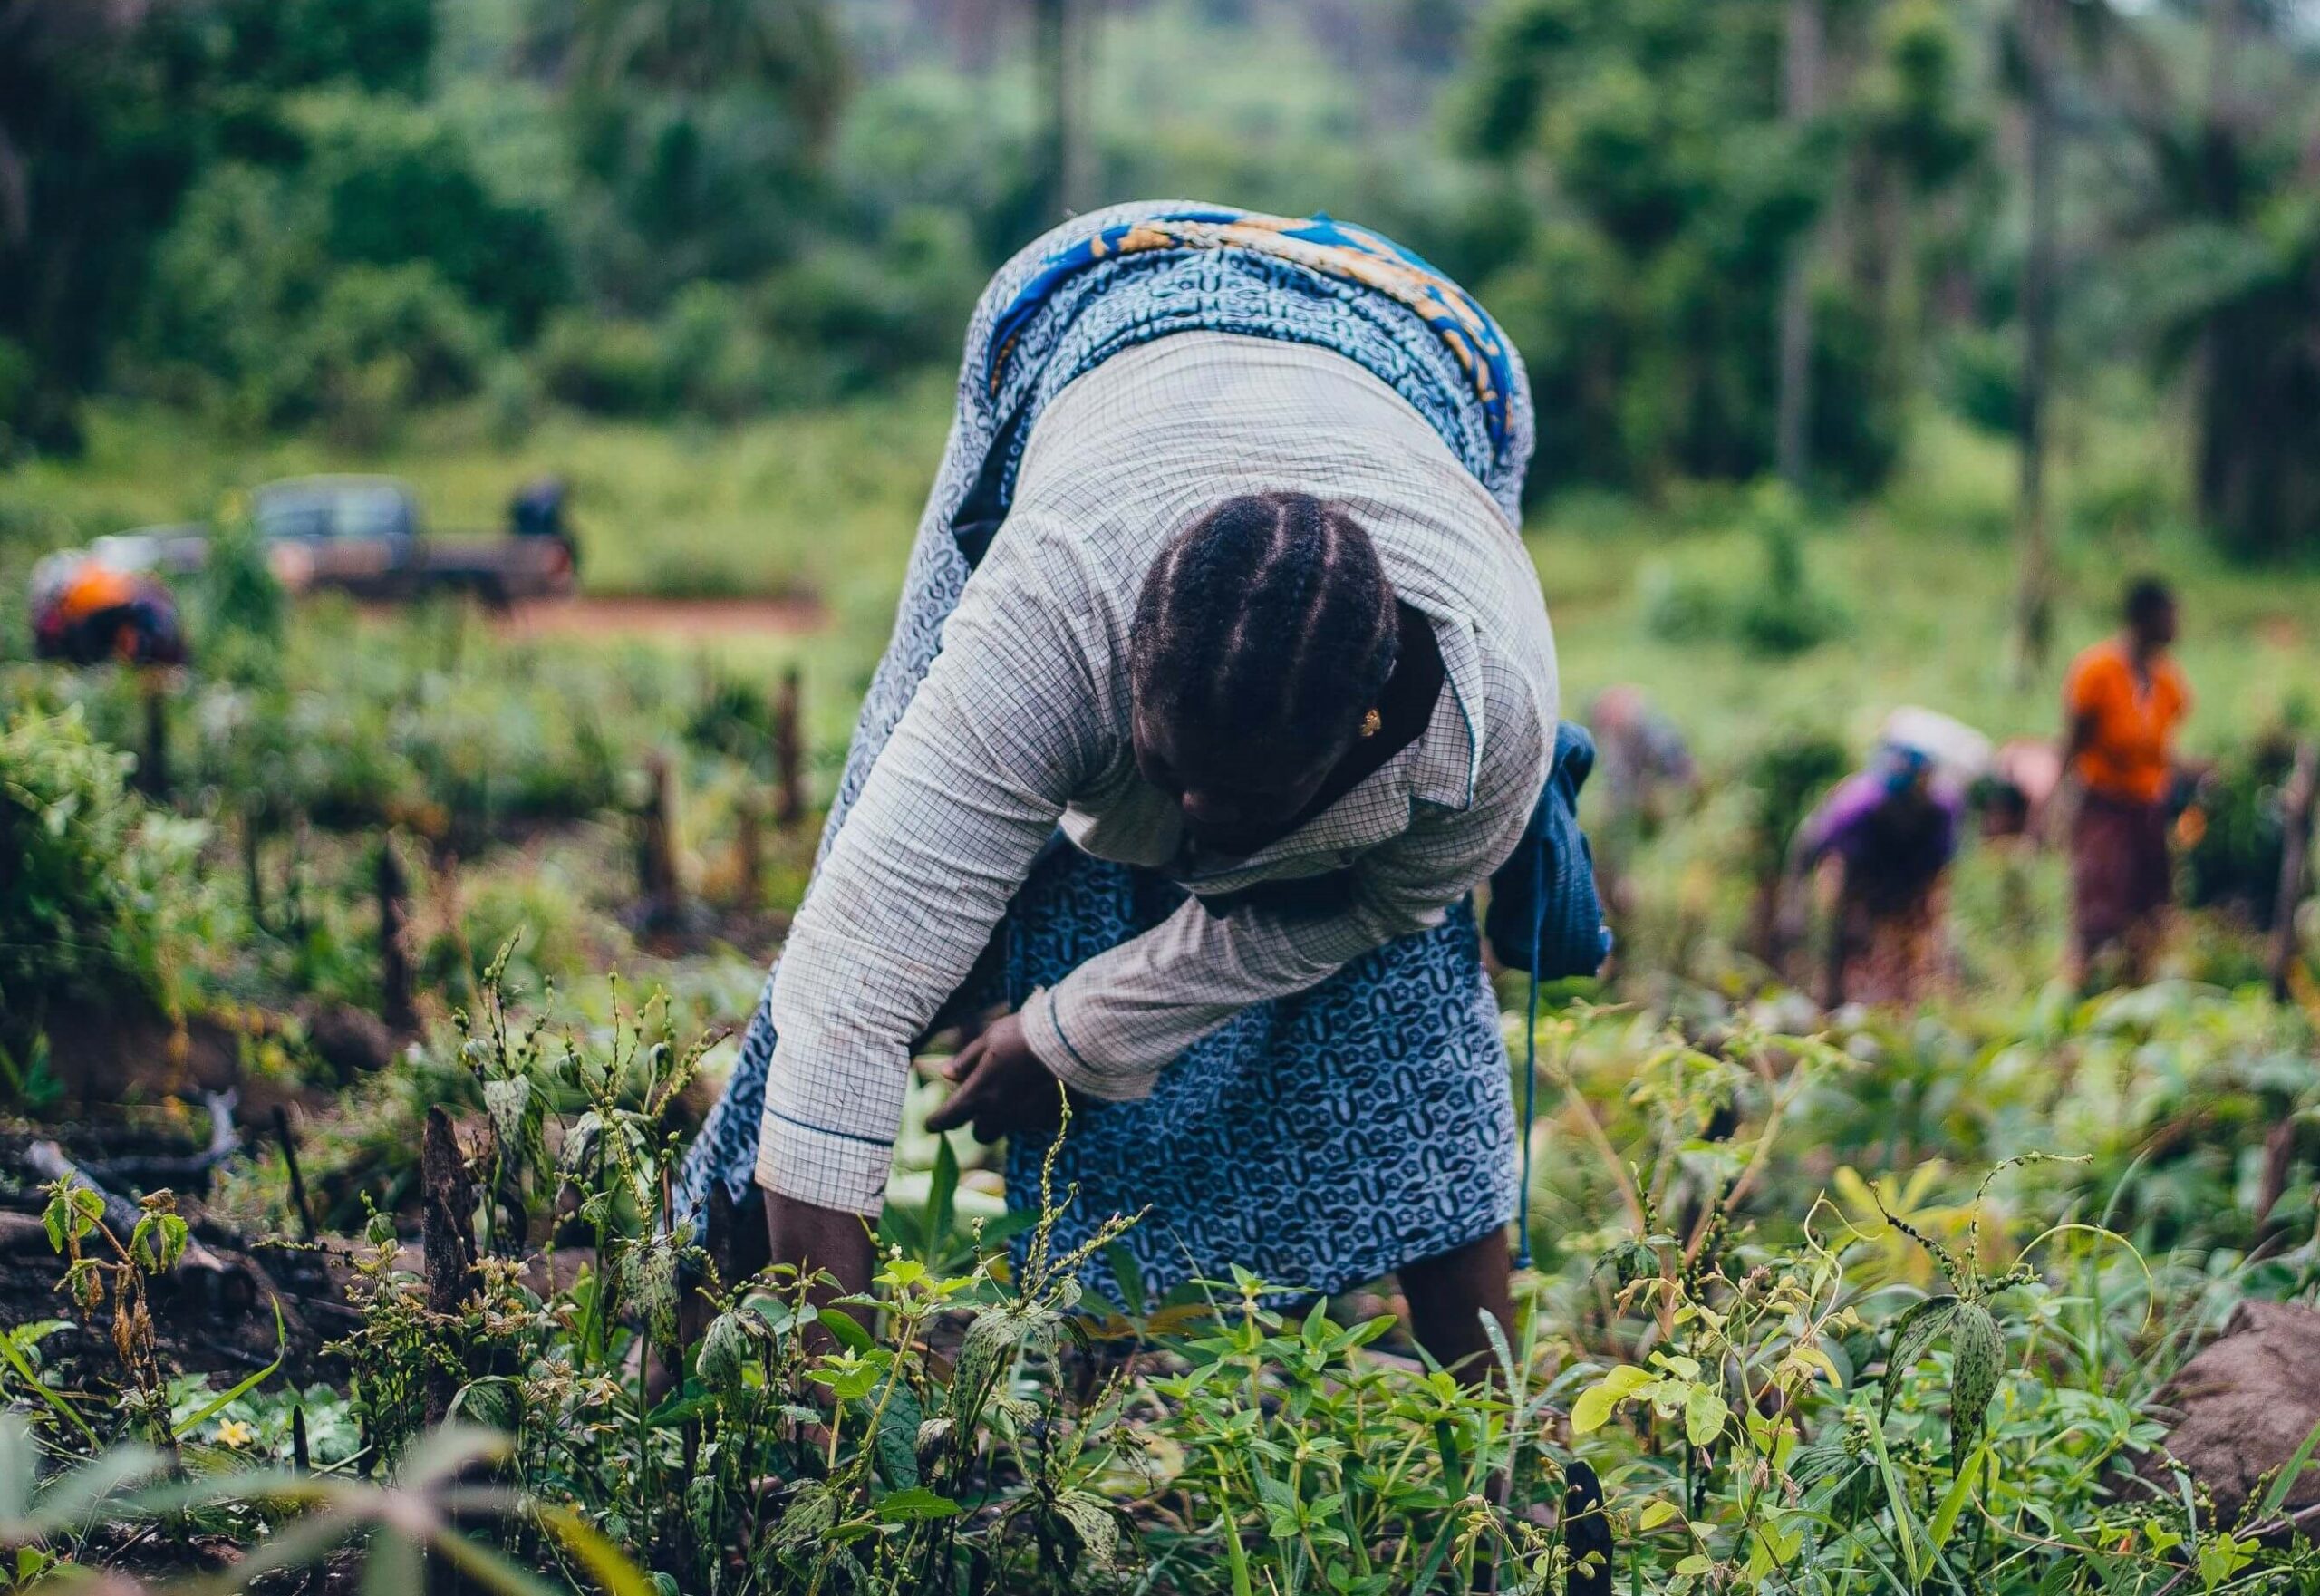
[[1876, 1301]]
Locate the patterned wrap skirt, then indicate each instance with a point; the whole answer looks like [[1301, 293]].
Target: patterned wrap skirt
[[1319, 1140], [2121, 873]]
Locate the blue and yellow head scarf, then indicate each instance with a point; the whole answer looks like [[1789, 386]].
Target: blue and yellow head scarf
[[1318, 244]]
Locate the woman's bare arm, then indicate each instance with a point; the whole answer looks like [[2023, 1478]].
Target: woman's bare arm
[[830, 1240]]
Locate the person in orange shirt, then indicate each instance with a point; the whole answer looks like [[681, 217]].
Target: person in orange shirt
[[2123, 699]]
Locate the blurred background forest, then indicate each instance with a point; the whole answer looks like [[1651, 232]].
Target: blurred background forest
[[1762, 236]]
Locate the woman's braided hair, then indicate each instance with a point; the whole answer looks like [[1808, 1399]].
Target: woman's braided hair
[[1267, 622]]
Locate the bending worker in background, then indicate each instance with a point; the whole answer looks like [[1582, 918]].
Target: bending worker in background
[[2123, 699], [1889, 832], [1221, 576], [86, 612]]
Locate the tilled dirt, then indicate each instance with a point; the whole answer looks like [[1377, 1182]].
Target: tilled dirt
[[213, 1314], [147, 1108]]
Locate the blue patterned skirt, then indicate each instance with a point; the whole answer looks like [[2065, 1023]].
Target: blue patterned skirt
[[1320, 1140]]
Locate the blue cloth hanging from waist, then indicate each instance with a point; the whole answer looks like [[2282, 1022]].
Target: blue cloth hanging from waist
[[1545, 916]]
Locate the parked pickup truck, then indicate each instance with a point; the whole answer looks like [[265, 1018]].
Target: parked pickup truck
[[364, 536]]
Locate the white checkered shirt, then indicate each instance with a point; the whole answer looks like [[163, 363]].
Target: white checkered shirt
[[1021, 724]]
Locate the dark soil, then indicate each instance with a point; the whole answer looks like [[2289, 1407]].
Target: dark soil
[[217, 1323], [124, 1054], [215, 1314], [697, 928]]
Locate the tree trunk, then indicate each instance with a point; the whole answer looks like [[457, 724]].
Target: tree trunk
[[2221, 176], [2033, 595], [1793, 426], [1063, 52], [790, 752], [2253, 371], [153, 767]]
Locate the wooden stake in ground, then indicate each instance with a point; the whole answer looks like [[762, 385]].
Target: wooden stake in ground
[[1832, 955], [1587, 1534], [2279, 1166], [789, 753], [446, 1235], [282, 1134], [656, 844], [153, 764], [1766, 936], [748, 848], [397, 1002], [253, 877], [2297, 808], [294, 922], [447, 1220]]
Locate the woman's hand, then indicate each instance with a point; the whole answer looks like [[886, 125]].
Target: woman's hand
[[999, 1086]]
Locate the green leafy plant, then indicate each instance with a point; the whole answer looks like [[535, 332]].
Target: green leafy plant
[[99, 909]]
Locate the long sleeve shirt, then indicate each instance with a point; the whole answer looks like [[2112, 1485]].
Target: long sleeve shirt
[[1020, 726]]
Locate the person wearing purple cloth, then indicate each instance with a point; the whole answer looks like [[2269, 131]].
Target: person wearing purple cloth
[[1888, 834]]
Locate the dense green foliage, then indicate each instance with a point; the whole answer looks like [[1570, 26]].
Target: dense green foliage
[[1781, 1388], [97, 908], [1666, 190], [1790, 1374]]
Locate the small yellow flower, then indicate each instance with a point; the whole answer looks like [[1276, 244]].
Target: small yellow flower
[[236, 1435]]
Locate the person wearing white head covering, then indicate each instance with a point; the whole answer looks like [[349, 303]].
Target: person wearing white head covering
[[1883, 839]]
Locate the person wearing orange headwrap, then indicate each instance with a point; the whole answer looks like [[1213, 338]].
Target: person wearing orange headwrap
[[99, 612]]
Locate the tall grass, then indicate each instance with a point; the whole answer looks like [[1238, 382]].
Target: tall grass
[[821, 501], [824, 502]]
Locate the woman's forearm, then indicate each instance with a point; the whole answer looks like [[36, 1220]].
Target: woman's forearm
[[957, 806], [829, 1239], [1110, 1026]]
